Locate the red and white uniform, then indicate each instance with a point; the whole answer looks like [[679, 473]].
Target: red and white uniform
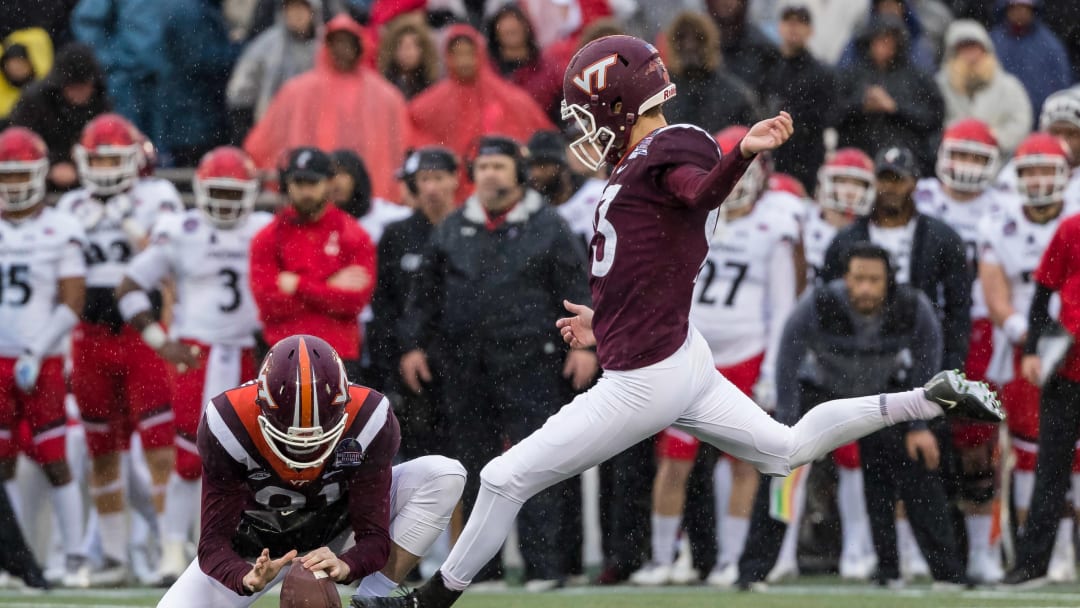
[[35, 255], [1016, 244], [743, 295], [214, 310], [120, 383]]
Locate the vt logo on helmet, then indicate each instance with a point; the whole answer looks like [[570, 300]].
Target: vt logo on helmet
[[302, 395], [609, 83]]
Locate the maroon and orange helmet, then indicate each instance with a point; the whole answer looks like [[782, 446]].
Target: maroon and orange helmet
[[303, 391], [609, 83]]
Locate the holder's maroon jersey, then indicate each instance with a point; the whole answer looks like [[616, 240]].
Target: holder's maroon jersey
[[652, 235], [253, 500]]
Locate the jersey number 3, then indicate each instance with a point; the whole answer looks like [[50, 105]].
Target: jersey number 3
[[604, 242]]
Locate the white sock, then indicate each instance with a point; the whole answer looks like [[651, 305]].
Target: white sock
[[908, 406], [1064, 535], [978, 533], [1075, 491], [488, 526], [67, 507], [11, 486], [735, 530], [851, 504], [181, 506], [114, 535], [665, 532], [1024, 488], [376, 585], [789, 548], [722, 479]]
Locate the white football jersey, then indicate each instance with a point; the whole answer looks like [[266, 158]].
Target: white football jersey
[[964, 218], [579, 210], [1015, 243], [817, 235], [109, 247], [731, 306], [214, 304], [34, 255]]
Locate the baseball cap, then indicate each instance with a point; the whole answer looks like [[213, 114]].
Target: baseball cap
[[547, 147], [898, 160], [796, 11], [308, 164]]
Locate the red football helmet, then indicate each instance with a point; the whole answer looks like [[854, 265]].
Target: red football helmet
[[24, 165], [846, 183], [303, 391], [609, 83], [783, 182], [225, 186], [968, 158], [109, 136], [756, 179], [1042, 169]]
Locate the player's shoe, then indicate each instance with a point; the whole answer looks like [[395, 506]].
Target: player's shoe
[[963, 398], [1022, 578], [111, 574], [432, 594], [984, 568], [783, 570], [173, 562], [858, 568], [76, 572], [723, 576], [652, 575], [1062, 568]]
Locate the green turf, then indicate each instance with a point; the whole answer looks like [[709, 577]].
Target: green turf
[[807, 593]]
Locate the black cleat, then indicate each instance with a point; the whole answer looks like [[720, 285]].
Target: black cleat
[[963, 398], [1022, 578], [432, 594]]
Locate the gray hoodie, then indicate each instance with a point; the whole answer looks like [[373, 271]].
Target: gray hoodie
[[273, 57], [1000, 101]]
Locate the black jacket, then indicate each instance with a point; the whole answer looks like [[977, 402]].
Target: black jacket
[[712, 101], [493, 289], [938, 267], [920, 112], [400, 253], [806, 88], [43, 109], [748, 54]]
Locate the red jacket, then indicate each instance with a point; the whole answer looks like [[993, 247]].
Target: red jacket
[[315, 251]]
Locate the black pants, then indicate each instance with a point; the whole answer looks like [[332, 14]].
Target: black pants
[[15, 555], [491, 402], [890, 475], [764, 539], [1059, 415], [625, 506]]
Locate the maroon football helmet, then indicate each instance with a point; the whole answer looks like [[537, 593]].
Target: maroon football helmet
[[609, 83], [303, 391]]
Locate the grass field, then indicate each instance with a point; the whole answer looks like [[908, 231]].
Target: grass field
[[807, 593]]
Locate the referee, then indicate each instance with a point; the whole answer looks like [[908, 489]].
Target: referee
[[1059, 409]]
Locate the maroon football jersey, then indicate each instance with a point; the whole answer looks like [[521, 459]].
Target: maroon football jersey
[[252, 500], [649, 246]]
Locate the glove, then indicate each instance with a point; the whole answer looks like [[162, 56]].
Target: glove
[[27, 368], [765, 394]]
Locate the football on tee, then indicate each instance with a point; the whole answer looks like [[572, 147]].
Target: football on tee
[[303, 588]]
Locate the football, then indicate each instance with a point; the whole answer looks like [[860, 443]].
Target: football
[[303, 588]]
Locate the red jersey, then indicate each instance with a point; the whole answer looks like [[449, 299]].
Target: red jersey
[[653, 229], [252, 500], [314, 250], [1059, 271]]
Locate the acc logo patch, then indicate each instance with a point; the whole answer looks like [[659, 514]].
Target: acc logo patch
[[348, 453]]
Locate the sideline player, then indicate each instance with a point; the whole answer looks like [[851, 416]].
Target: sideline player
[[211, 347], [299, 462], [42, 291], [120, 383], [653, 227]]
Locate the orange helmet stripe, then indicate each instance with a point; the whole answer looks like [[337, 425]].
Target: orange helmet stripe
[[307, 388]]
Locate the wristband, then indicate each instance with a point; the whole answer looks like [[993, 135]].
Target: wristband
[[154, 336], [132, 303], [1015, 327]]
